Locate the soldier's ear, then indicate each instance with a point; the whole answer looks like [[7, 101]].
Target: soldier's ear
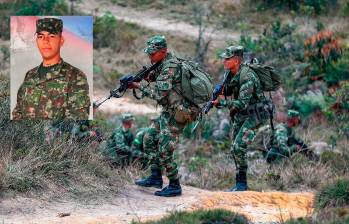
[[62, 40]]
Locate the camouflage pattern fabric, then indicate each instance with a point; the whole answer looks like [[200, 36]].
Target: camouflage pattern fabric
[[285, 142], [85, 131], [61, 92], [247, 91], [155, 43], [145, 146], [118, 148], [51, 25], [164, 91]]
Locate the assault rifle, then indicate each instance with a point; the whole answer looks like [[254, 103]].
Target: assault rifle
[[218, 90], [126, 80]]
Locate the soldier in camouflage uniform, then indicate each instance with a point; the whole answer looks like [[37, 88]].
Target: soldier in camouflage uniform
[[285, 142], [86, 131], [247, 109], [118, 149], [54, 89], [146, 143], [176, 113]]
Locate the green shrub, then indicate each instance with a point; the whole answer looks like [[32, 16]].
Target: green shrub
[[308, 7], [202, 216], [335, 194], [104, 31]]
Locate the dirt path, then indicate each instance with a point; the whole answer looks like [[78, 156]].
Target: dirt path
[[152, 20], [136, 203]]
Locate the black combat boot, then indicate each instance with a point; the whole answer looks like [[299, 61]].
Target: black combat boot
[[241, 182], [173, 189], [154, 180]]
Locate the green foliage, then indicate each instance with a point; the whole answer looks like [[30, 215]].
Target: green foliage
[[309, 102], [202, 216], [307, 7], [41, 7], [345, 9], [197, 162], [335, 194], [109, 32], [29, 7], [104, 31]]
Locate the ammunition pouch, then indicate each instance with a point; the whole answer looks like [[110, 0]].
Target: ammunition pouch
[[260, 111], [184, 116]]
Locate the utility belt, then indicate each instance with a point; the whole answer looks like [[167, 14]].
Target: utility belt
[[259, 111]]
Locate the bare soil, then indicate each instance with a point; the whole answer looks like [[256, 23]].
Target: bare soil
[[139, 204]]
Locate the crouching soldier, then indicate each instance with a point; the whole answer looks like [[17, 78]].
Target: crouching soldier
[[118, 149], [285, 141]]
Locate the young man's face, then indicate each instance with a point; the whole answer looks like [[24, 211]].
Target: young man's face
[[232, 64], [293, 122], [49, 44], [127, 124], [158, 55]]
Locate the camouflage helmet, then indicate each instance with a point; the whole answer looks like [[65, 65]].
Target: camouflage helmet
[[292, 113], [155, 43], [127, 117], [51, 25], [232, 51]]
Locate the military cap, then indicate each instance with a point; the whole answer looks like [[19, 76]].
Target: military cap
[[127, 117], [51, 25], [232, 51], [292, 113], [155, 43]]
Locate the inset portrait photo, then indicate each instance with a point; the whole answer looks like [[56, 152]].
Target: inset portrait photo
[[51, 67]]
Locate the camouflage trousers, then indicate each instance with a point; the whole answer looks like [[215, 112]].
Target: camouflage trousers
[[244, 133], [162, 156]]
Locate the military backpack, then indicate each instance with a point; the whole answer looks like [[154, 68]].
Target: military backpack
[[196, 84], [268, 76]]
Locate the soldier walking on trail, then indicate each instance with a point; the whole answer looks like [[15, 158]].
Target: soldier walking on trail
[[247, 109], [118, 149], [177, 112]]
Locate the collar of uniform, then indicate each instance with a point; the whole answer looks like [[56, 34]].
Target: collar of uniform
[[124, 130], [168, 57], [54, 71]]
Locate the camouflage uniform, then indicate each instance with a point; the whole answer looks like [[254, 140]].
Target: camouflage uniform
[[85, 130], [175, 115], [285, 141], [55, 92], [145, 146], [165, 93], [119, 146], [248, 95]]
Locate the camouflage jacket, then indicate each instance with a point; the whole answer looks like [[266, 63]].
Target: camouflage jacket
[[119, 143], [62, 93], [285, 139], [246, 89], [167, 84]]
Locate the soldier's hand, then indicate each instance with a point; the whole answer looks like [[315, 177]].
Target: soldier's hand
[[215, 102], [298, 148], [93, 134], [233, 111], [134, 85]]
